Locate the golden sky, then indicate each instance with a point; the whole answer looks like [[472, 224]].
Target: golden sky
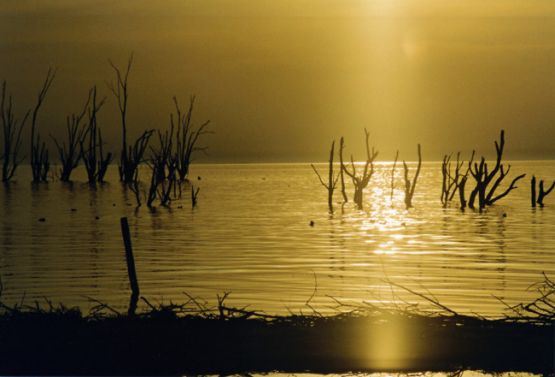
[[280, 79]]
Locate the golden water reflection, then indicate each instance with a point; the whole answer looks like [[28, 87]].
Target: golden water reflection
[[250, 235]]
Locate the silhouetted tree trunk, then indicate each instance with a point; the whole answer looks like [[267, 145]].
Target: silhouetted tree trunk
[[341, 147], [70, 153], [186, 137], [462, 185], [92, 151], [39, 160], [130, 157], [542, 192], [164, 162], [410, 187], [451, 180], [11, 132], [484, 177], [332, 180], [360, 181], [393, 176]]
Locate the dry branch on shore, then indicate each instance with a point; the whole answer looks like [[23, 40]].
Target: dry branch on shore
[[196, 337]]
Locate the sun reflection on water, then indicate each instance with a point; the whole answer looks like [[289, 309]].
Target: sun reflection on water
[[387, 345], [263, 248]]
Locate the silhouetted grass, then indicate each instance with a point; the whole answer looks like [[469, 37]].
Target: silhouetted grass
[[194, 337]]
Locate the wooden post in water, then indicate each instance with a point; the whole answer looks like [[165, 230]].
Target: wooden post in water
[[132, 273]]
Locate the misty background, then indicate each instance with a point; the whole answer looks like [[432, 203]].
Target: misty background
[[280, 79]]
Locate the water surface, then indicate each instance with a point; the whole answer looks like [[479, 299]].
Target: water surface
[[250, 235]]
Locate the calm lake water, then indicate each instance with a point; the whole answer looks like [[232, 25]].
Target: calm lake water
[[250, 235]]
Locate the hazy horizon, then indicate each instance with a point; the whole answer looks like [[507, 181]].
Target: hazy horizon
[[280, 80]]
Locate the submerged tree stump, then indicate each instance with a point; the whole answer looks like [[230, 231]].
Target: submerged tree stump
[[541, 194]]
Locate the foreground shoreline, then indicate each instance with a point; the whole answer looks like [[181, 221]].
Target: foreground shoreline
[[161, 341]]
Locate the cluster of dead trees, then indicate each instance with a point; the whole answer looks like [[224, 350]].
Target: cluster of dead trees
[[169, 159], [483, 178], [475, 184], [83, 140], [361, 174]]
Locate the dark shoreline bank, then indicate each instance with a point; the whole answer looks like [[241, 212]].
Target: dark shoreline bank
[[62, 342]]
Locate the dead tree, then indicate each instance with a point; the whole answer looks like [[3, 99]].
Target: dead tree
[[92, 150], [129, 163], [11, 132], [39, 160], [332, 178], [393, 176], [360, 181], [343, 192], [542, 193], [488, 181], [452, 181], [69, 153], [411, 186], [164, 165], [135, 155], [152, 188], [187, 137], [462, 198]]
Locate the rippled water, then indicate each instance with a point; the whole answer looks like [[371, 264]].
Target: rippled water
[[250, 235]]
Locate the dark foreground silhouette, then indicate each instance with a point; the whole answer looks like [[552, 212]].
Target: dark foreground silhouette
[[164, 341]]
